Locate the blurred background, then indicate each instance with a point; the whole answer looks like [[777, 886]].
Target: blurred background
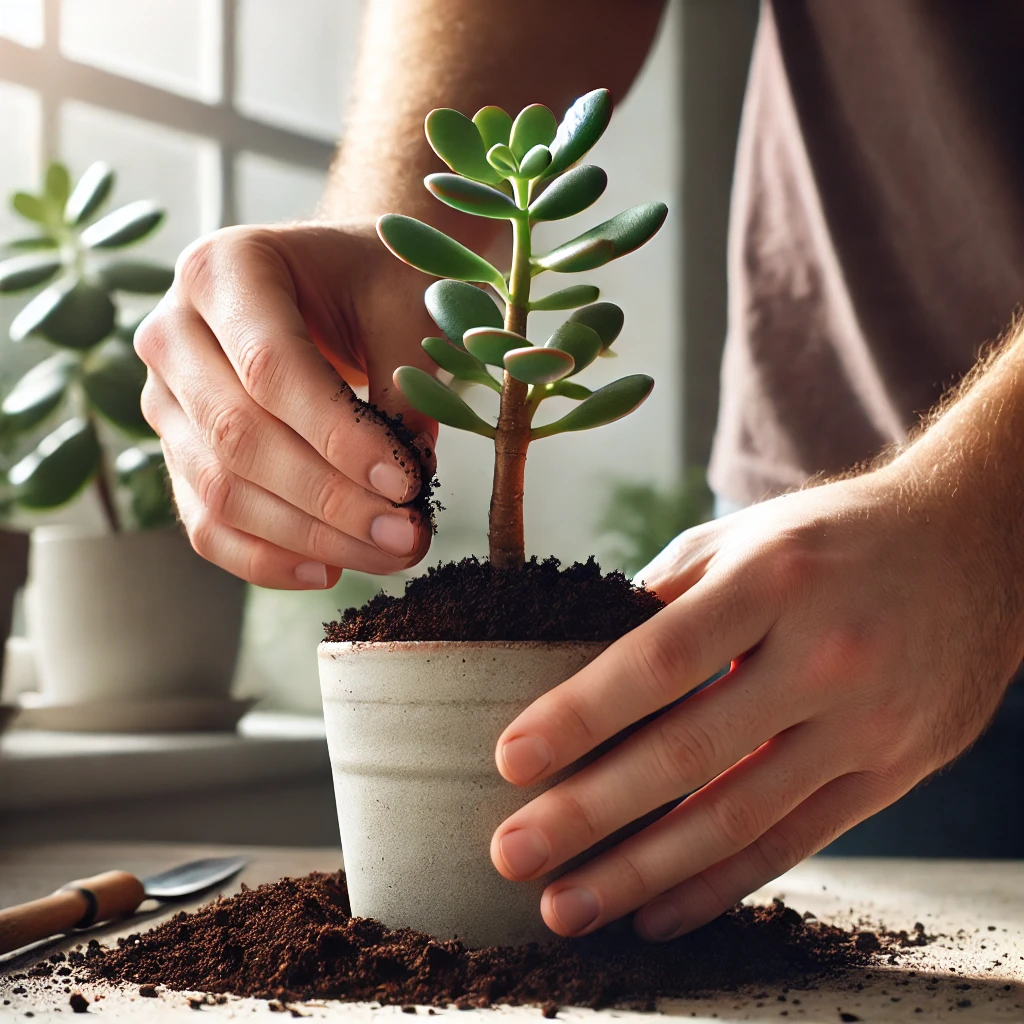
[[227, 112]]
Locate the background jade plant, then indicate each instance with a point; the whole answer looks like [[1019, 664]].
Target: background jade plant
[[95, 374], [523, 171]]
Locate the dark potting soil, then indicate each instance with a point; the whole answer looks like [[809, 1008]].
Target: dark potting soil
[[295, 939], [474, 600]]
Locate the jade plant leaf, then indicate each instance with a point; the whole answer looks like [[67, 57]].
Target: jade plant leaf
[[494, 125], [567, 298], [144, 475], [57, 187], [429, 396], [73, 313], [608, 241], [457, 307], [28, 271], [489, 344], [604, 317], [113, 380], [125, 226], [457, 141], [570, 193], [534, 125], [458, 362], [433, 252], [138, 276], [580, 341], [29, 206], [62, 464], [569, 389], [32, 243], [502, 160], [535, 162], [605, 405], [91, 192], [471, 196], [38, 393], [538, 365], [584, 123]]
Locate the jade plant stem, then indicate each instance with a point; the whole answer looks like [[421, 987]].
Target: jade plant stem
[[104, 492], [506, 537]]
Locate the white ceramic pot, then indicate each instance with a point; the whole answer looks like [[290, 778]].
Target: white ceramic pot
[[412, 729], [130, 615]]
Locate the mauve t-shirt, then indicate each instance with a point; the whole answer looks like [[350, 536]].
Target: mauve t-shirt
[[877, 227]]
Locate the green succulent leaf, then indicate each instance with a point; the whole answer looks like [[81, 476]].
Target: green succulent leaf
[[458, 362], [471, 196], [584, 123], [605, 405], [139, 276], [534, 125], [38, 393], [535, 162], [608, 241], [32, 243], [433, 252], [62, 464], [28, 271], [501, 159], [124, 226], [429, 396], [494, 125], [489, 344], [91, 192], [570, 193], [538, 365], [457, 307], [604, 317], [57, 187], [580, 341], [73, 313], [569, 389], [29, 206], [144, 475], [457, 141], [567, 298], [113, 380]]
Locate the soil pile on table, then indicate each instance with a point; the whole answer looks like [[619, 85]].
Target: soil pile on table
[[474, 600], [295, 940]]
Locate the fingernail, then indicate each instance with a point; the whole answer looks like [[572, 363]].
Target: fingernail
[[660, 920], [524, 851], [390, 480], [575, 909], [395, 534], [313, 574], [525, 758]]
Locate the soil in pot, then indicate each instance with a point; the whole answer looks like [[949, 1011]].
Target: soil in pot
[[294, 940]]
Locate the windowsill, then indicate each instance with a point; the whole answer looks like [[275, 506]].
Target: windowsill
[[40, 769]]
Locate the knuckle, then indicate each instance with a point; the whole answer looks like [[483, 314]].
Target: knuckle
[[663, 659], [780, 849], [149, 403], [193, 270], [331, 501], [336, 444], [708, 898], [573, 814], [202, 532], [215, 488], [150, 340], [736, 821], [233, 436], [685, 752], [634, 883], [259, 364], [840, 650]]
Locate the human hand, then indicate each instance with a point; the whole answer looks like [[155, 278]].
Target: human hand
[[871, 636], [276, 475]]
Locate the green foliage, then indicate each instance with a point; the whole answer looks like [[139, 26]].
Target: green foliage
[[570, 194], [534, 125], [489, 344], [434, 399], [96, 375], [538, 365], [494, 125], [579, 341], [567, 298], [144, 475], [605, 405], [603, 317], [584, 123], [457, 307], [458, 142], [459, 363], [470, 196]]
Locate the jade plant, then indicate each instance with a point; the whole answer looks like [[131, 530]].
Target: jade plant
[[524, 171], [95, 375]]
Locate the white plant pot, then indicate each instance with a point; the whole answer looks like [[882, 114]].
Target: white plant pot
[[129, 615], [411, 729]]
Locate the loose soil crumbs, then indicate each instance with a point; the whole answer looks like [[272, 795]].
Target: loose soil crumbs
[[474, 600], [295, 939]]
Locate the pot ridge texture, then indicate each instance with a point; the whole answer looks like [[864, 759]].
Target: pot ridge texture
[[411, 729]]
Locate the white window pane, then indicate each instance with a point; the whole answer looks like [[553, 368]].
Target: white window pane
[[178, 170], [294, 61], [268, 191], [173, 44], [21, 118], [22, 21]]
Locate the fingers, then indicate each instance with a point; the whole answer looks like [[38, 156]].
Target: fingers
[[680, 751], [713, 824], [237, 503], [649, 668], [822, 817]]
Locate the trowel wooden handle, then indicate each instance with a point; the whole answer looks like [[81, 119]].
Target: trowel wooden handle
[[77, 905]]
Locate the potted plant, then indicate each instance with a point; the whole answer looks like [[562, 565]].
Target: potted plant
[[417, 689], [129, 611]]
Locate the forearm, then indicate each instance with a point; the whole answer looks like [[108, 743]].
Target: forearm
[[421, 54]]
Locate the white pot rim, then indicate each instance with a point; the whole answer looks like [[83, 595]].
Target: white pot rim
[[335, 647]]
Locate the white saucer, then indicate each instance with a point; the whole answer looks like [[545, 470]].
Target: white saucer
[[119, 714]]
